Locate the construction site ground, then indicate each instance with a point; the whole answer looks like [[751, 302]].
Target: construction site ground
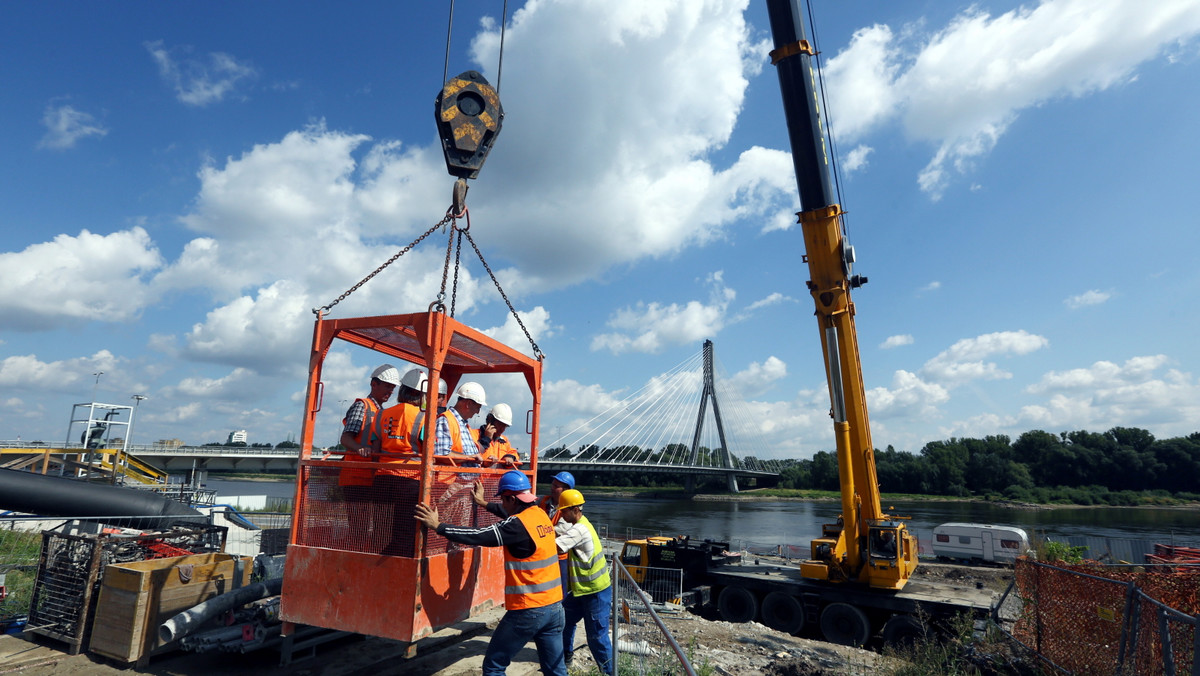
[[733, 649]]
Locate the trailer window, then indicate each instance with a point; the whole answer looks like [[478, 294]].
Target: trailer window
[[1010, 544], [964, 539], [942, 537]]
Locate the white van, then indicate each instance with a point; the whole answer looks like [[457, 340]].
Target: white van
[[979, 542]]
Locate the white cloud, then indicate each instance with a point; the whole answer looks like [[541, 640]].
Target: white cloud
[[199, 81], [932, 286], [961, 87], [65, 126], [1091, 297], [71, 280], [650, 327], [856, 159], [27, 372], [252, 332], [966, 360], [655, 89], [536, 321], [909, 395], [896, 341], [1142, 392], [757, 377]]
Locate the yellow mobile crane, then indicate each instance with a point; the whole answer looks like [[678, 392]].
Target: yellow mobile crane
[[856, 584], [866, 545]]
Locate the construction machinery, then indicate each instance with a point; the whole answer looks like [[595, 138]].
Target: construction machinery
[[866, 546], [856, 581]]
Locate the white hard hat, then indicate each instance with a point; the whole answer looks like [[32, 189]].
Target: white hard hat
[[414, 379], [473, 391], [387, 373], [502, 413], [441, 387]]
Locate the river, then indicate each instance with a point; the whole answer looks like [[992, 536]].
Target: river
[[788, 522]]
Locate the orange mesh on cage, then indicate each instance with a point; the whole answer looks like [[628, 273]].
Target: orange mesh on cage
[[1073, 615], [379, 519]]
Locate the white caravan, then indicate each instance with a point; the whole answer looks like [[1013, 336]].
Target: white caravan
[[979, 541]]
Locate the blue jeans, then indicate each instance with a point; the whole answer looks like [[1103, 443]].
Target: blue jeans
[[542, 625], [594, 610]]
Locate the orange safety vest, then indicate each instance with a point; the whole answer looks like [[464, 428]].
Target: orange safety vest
[[495, 450], [533, 582], [394, 424], [555, 516], [367, 435]]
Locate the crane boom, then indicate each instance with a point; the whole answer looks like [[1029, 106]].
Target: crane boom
[[847, 550]]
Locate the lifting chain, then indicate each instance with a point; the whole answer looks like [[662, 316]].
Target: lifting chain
[[457, 211], [537, 351], [448, 218]]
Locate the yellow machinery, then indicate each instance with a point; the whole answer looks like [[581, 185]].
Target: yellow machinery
[[856, 548]]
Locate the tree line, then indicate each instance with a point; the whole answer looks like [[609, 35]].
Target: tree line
[[1125, 465]]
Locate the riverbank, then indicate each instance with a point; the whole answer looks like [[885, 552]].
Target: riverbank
[[792, 495]]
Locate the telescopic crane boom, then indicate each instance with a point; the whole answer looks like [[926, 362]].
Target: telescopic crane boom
[[857, 547]]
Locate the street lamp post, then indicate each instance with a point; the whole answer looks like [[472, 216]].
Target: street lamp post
[[96, 385]]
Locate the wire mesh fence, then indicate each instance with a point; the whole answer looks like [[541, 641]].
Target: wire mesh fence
[[1091, 619], [642, 642]]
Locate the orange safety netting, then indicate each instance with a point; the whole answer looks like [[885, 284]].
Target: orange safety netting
[[1078, 615], [378, 519]]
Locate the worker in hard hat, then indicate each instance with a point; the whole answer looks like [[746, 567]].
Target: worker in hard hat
[[397, 481], [561, 482], [589, 587], [532, 591], [453, 435], [494, 446], [361, 439]]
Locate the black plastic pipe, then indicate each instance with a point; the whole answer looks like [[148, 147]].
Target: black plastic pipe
[[58, 496]]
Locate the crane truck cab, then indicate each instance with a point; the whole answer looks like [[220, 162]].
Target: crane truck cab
[[675, 568]]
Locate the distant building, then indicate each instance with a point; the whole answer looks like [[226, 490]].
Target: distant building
[[237, 437], [169, 443]]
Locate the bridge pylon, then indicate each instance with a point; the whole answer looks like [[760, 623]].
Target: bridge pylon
[[710, 391]]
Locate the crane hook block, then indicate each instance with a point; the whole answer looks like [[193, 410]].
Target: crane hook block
[[469, 116]]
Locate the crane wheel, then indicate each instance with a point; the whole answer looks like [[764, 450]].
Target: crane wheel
[[783, 612], [903, 631], [737, 604], [845, 624]]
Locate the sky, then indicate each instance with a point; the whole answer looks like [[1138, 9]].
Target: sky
[[181, 183]]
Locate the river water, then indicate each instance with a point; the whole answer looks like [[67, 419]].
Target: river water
[[786, 522]]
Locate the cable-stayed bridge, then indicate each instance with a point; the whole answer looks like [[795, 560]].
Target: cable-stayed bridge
[[689, 422]]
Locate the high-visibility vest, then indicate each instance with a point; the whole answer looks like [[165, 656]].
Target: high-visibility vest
[[394, 424], [497, 449], [588, 577], [366, 436], [533, 582]]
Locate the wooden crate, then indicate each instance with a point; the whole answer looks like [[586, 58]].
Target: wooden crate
[[136, 598]]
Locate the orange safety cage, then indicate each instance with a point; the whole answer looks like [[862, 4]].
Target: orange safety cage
[[357, 560]]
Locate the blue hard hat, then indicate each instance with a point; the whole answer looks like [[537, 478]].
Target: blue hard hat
[[566, 478], [513, 480]]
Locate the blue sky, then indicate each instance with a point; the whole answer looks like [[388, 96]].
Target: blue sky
[[180, 183]]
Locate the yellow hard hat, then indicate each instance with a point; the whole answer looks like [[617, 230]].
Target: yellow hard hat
[[570, 498]]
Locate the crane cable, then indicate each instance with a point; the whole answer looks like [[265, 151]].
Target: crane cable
[[499, 60], [837, 174]]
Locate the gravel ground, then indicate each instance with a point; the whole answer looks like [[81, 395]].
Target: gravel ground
[[728, 649]]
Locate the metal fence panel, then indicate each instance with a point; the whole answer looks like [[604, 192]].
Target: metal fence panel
[[642, 644]]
